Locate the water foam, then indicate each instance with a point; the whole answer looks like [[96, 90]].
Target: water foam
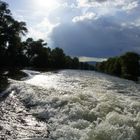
[[82, 105]]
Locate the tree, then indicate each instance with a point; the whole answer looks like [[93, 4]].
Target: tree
[[130, 65], [126, 66], [57, 58], [10, 35], [5, 18], [113, 66], [36, 53], [15, 53], [42, 59], [75, 63], [68, 62], [101, 66]]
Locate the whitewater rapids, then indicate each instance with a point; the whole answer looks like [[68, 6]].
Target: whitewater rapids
[[74, 105]]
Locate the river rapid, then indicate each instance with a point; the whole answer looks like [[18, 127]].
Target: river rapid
[[72, 105]]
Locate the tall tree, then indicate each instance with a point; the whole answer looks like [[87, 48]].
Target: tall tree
[[33, 48], [57, 58], [126, 66], [10, 35], [130, 65]]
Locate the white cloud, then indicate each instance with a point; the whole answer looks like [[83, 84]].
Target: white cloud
[[42, 29], [129, 6], [95, 9], [51, 14], [87, 16], [46, 25], [36, 34], [91, 59], [131, 24], [136, 23], [125, 5], [45, 5], [87, 4]]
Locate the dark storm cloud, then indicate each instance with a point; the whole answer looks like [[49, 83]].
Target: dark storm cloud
[[99, 31], [97, 38]]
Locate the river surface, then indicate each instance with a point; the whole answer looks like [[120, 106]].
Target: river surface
[[79, 105]]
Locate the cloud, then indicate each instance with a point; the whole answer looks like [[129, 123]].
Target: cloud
[[130, 5], [36, 34], [131, 24], [91, 59], [99, 28], [125, 5], [46, 25], [87, 16], [42, 29], [102, 37]]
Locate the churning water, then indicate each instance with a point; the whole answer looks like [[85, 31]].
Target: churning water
[[82, 105]]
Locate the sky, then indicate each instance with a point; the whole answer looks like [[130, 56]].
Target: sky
[[89, 29]]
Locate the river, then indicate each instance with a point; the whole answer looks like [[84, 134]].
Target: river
[[78, 105]]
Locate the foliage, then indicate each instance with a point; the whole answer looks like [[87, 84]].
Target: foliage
[[3, 83], [17, 54], [126, 66], [130, 65], [10, 37]]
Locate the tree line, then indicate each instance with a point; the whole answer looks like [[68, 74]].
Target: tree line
[[126, 66], [29, 53]]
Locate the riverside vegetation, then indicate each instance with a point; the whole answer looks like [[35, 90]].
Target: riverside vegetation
[[17, 54], [126, 66]]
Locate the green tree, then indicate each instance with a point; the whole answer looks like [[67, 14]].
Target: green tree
[[113, 66], [10, 35], [68, 62], [42, 59], [57, 58], [130, 65], [35, 51], [75, 63], [126, 66]]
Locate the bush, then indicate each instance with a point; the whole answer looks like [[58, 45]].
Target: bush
[[126, 66], [3, 83]]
